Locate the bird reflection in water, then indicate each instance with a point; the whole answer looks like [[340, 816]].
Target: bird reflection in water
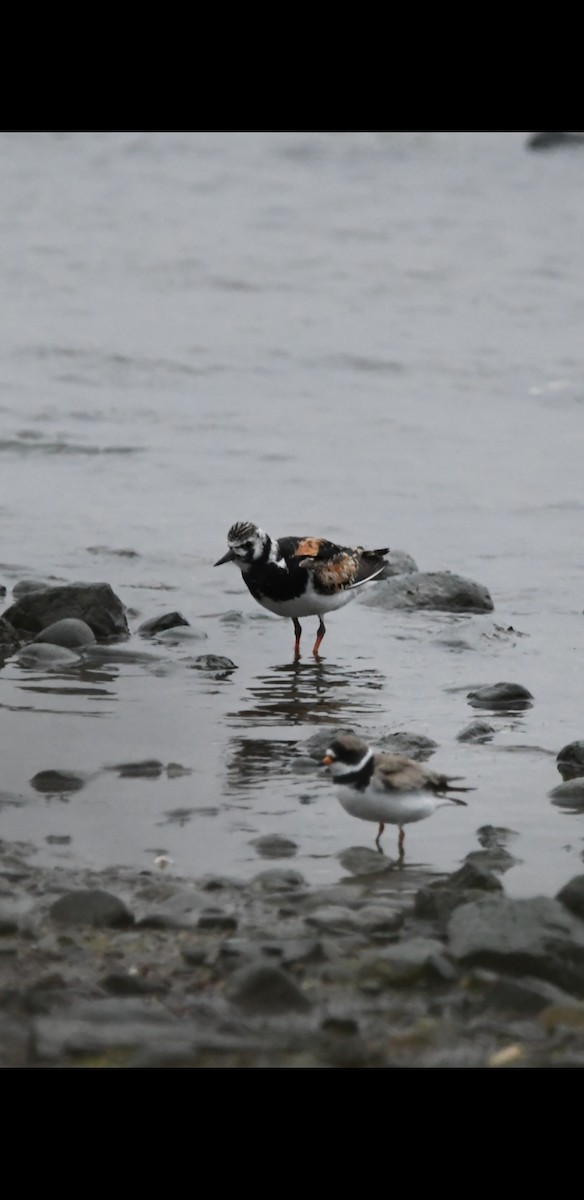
[[295, 697], [300, 693]]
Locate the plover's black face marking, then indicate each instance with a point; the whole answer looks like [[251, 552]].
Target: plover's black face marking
[[247, 544]]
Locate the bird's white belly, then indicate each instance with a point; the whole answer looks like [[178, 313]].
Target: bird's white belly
[[387, 808], [311, 604]]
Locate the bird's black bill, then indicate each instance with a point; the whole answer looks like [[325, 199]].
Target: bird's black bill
[[226, 558]]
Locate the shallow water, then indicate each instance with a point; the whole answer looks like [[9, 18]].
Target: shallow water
[[376, 337]]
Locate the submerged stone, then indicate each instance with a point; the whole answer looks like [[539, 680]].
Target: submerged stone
[[57, 782], [158, 624], [501, 696]]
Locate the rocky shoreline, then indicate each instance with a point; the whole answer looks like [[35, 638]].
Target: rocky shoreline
[[146, 970]]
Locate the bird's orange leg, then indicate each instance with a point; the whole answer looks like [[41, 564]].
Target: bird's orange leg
[[298, 632], [379, 833], [400, 842], [319, 636]]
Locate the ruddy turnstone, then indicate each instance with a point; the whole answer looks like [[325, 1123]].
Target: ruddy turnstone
[[388, 788], [300, 576]]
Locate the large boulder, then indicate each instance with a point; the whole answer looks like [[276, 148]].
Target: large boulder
[[94, 603], [429, 589]]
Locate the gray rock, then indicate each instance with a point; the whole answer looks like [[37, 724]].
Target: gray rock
[[266, 989], [212, 662], [378, 920], [525, 996], [570, 760], [25, 586], [439, 899], [537, 937], [181, 633], [397, 562], [551, 140], [400, 965], [430, 590], [332, 918], [94, 603], [477, 731], [55, 783], [45, 655], [216, 918], [121, 983], [569, 794], [158, 624], [91, 907], [8, 635], [279, 879], [181, 910], [508, 697], [572, 896], [413, 745], [148, 768], [272, 845], [99, 1026], [70, 632]]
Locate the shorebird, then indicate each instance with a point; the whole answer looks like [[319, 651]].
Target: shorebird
[[389, 789], [300, 576]]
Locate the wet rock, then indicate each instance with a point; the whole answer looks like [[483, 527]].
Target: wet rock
[[25, 586], [570, 760], [361, 860], [378, 920], [572, 896], [477, 731], [534, 937], [216, 918], [569, 794], [179, 634], [99, 1027], [8, 634], [524, 996], [122, 983], [272, 845], [554, 141], [437, 590], [212, 662], [55, 783], [147, 768], [494, 855], [94, 603], [413, 745], [279, 879], [507, 697], [399, 965], [439, 899], [158, 624], [266, 990], [332, 918], [181, 910], [70, 632], [45, 655], [397, 562], [91, 907]]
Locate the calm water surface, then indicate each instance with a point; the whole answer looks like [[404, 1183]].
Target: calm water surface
[[377, 337]]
